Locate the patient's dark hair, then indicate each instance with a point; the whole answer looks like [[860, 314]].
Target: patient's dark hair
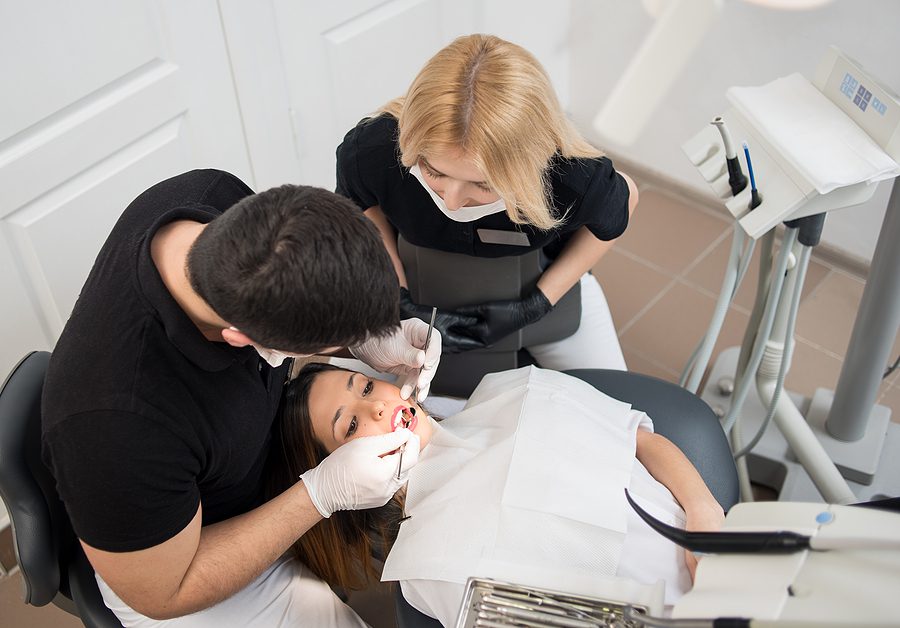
[[298, 269], [340, 549]]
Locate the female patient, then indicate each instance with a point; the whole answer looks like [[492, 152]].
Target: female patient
[[530, 475]]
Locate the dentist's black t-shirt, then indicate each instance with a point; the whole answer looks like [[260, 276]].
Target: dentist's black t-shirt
[[585, 192], [143, 417]]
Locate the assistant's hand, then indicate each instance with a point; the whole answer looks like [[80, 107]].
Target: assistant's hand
[[498, 319], [362, 473], [455, 337], [402, 354]]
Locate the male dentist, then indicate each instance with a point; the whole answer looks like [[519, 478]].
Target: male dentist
[[164, 386]]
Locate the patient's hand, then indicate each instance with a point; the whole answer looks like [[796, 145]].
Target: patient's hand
[[704, 518]]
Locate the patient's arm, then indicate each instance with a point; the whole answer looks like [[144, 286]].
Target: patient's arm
[[669, 466]]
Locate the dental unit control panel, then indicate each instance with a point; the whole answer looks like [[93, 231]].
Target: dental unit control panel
[[816, 146]]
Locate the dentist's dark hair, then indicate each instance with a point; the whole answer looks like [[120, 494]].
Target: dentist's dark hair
[[340, 549], [297, 269]]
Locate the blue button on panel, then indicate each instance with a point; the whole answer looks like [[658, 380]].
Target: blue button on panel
[[824, 517], [863, 105]]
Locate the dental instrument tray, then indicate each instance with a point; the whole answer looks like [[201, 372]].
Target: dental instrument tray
[[491, 603]]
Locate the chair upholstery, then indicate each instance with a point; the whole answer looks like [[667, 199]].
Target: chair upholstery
[[452, 280], [677, 414], [53, 566]]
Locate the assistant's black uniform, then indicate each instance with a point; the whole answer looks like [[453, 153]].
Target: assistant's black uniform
[[143, 417], [586, 192]]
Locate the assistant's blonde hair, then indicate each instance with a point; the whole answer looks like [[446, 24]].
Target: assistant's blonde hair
[[492, 100]]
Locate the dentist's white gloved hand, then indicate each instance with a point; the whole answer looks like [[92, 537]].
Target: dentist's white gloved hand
[[401, 353], [361, 474]]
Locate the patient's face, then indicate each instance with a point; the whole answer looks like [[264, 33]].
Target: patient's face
[[346, 405]]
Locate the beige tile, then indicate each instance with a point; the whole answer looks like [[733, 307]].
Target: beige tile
[[672, 327], [638, 363], [811, 368], [15, 613], [629, 285], [826, 317], [710, 270], [7, 552], [815, 275], [669, 233]]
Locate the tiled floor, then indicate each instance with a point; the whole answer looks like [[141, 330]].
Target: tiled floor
[[661, 281]]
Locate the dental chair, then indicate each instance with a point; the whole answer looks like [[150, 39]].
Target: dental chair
[[53, 565], [677, 414], [450, 280]]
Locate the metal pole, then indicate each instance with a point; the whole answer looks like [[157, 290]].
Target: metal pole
[[873, 333]]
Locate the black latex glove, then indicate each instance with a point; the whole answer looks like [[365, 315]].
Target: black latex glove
[[454, 327], [498, 319]]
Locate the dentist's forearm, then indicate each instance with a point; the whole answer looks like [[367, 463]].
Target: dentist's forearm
[[201, 566]]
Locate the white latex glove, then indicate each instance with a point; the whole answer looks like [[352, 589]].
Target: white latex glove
[[359, 474], [401, 353]]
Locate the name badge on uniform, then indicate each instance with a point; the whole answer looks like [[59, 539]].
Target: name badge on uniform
[[497, 236]]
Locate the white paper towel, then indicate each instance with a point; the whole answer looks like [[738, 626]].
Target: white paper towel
[[812, 133]]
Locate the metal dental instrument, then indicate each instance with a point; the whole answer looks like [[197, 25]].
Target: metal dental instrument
[[425, 349], [416, 389]]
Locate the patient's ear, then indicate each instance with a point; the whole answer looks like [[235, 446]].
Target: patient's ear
[[235, 337]]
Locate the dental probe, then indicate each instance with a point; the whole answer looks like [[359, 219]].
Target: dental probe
[[416, 389], [736, 179]]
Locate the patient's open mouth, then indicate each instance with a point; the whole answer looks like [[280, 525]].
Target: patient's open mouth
[[404, 416]]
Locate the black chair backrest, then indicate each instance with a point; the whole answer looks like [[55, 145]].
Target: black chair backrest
[[52, 563], [452, 280], [24, 481]]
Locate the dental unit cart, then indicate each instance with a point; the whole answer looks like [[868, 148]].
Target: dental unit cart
[[846, 576], [816, 147]]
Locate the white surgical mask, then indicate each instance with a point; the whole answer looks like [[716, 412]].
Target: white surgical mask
[[463, 214]]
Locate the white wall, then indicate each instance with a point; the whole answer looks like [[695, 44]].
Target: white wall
[[746, 45]]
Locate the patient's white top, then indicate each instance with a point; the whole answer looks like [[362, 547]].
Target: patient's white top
[[526, 484]]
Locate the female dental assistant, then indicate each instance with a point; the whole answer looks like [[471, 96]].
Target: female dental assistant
[[477, 158]]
